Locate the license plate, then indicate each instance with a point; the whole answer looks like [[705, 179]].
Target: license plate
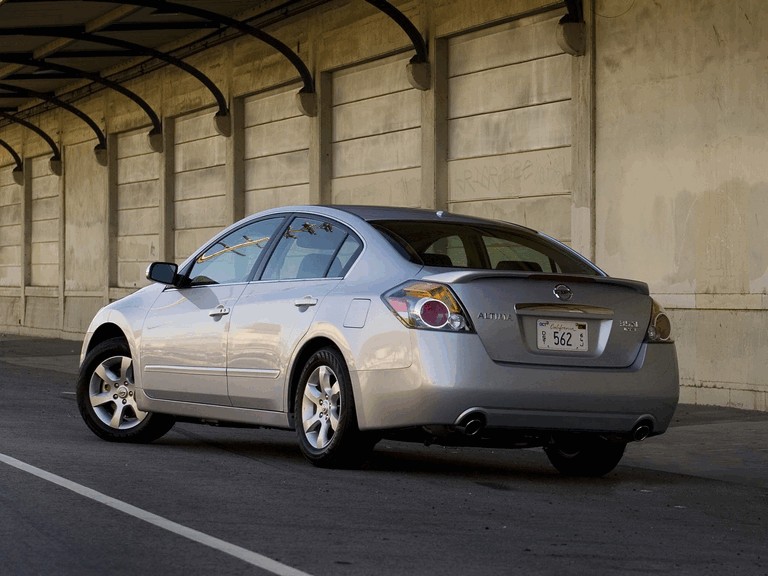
[[562, 335]]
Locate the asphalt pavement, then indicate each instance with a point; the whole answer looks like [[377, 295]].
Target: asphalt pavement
[[711, 442]]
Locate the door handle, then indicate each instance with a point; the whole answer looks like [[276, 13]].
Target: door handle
[[306, 301], [218, 312]]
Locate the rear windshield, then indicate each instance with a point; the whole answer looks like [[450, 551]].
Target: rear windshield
[[459, 245]]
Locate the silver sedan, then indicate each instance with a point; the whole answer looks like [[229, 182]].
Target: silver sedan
[[349, 324]]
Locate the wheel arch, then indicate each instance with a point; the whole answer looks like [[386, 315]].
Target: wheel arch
[[105, 332], [304, 353]]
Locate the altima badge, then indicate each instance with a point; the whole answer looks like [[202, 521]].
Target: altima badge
[[495, 316], [562, 292]]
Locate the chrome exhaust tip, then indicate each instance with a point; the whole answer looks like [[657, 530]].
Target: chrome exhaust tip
[[472, 424], [641, 431], [473, 427]]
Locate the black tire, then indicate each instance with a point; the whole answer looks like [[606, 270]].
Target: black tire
[[106, 397], [585, 456], [325, 416]]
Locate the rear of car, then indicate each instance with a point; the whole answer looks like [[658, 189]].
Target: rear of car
[[516, 337]]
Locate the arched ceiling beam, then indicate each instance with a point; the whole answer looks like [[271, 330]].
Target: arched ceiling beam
[[18, 172], [419, 74], [155, 135], [222, 120], [55, 161], [306, 98], [12, 152], [101, 148]]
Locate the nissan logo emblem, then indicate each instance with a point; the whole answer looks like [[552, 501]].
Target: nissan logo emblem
[[562, 292]]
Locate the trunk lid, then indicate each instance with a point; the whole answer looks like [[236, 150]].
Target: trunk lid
[[553, 319]]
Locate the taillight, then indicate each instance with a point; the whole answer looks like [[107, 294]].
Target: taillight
[[427, 305], [433, 312], [660, 327]]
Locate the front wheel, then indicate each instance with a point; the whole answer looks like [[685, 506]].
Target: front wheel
[[324, 412], [106, 397], [583, 456]]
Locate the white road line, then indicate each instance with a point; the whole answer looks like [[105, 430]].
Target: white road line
[[228, 548]]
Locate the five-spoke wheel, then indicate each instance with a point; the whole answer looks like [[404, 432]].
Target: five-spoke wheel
[[321, 407], [112, 393], [326, 421], [106, 397]]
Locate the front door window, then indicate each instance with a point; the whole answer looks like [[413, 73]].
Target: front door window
[[231, 259]]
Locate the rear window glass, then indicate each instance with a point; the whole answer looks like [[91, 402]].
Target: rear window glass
[[458, 245]]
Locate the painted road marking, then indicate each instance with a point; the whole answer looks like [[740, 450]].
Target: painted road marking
[[222, 546]]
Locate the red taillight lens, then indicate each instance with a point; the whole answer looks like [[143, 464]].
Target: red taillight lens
[[433, 313]]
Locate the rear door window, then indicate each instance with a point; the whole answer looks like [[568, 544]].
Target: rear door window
[[312, 248]]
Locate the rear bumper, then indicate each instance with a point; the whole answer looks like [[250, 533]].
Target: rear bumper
[[452, 376]]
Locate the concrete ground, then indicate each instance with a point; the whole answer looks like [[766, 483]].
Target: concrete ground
[[704, 441]]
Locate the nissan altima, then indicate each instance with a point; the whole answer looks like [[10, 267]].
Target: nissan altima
[[349, 324]]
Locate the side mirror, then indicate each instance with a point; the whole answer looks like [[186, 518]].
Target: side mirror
[[163, 272]]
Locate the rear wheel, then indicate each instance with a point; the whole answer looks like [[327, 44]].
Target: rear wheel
[[324, 411], [106, 397], [584, 456]]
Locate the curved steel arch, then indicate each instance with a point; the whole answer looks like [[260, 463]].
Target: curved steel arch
[[18, 172], [77, 33], [419, 44], [55, 161], [419, 73], [12, 152], [306, 97], [155, 135], [101, 147]]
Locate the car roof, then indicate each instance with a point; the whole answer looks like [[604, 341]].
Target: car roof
[[377, 213], [372, 213]]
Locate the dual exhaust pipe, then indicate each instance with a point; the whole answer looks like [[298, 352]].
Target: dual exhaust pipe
[[474, 423]]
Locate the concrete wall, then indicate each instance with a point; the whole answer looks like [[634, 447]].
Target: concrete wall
[[138, 209], [682, 179], [276, 151], [84, 251], [200, 205], [647, 154], [376, 135], [11, 240], [510, 123], [11, 248]]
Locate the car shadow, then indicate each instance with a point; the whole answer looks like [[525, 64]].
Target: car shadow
[[492, 468]]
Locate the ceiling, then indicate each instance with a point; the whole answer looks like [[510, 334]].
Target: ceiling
[[54, 52]]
